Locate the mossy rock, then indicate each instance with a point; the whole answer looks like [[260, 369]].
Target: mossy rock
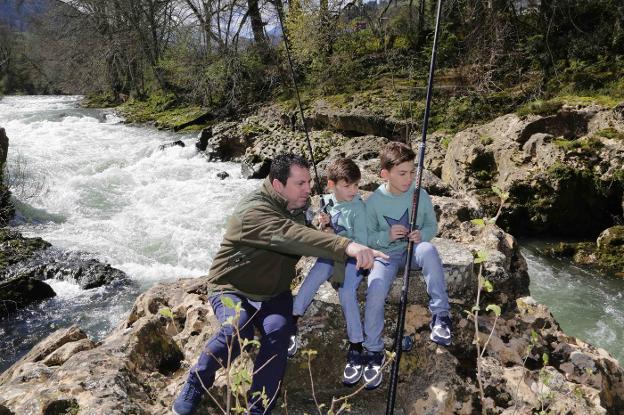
[[15, 248], [610, 248]]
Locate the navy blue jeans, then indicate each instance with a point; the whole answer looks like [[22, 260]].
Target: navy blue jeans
[[273, 319]]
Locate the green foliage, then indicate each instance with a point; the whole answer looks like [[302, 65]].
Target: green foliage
[[486, 140], [481, 256], [494, 308], [487, 285], [166, 312], [611, 133], [540, 107], [588, 145]]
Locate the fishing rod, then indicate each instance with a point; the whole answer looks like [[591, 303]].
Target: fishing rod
[[280, 17], [394, 373]]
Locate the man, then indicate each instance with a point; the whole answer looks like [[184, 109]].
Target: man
[[255, 266]]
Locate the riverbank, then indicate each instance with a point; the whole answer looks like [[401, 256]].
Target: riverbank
[[138, 169]]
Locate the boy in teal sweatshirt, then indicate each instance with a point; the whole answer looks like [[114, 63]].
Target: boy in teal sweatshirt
[[346, 216], [388, 212]]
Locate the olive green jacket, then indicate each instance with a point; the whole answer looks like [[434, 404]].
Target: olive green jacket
[[263, 242]]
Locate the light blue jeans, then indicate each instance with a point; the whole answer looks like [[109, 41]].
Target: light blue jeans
[[320, 272], [380, 280]]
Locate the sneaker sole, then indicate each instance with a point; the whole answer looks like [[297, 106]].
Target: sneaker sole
[[440, 341], [370, 386], [352, 382]]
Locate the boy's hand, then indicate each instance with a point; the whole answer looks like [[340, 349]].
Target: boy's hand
[[415, 236], [398, 232], [364, 256], [324, 220]]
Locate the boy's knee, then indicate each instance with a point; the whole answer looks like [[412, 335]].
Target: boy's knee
[[426, 248]]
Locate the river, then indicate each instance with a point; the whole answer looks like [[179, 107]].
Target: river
[[85, 181]]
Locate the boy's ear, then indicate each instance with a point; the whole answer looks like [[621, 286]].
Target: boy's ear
[[331, 184], [385, 174]]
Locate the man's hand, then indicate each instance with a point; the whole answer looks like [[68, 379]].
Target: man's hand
[[398, 232], [364, 256]]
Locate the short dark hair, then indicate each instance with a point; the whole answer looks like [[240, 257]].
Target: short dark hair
[[343, 169], [395, 153], [280, 166]]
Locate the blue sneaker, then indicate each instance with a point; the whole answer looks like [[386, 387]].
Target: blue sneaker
[[353, 369], [441, 327], [187, 401], [372, 371]]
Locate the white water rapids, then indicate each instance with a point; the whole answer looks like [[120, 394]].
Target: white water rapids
[[86, 182]]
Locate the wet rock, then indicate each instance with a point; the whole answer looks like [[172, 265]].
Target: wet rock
[[78, 267], [19, 290], [6, 207], [26, 262], [223, 175], [202, 140], [178, 143], [4, 146]]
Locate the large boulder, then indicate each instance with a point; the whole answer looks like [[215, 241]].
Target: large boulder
[[559, 170]]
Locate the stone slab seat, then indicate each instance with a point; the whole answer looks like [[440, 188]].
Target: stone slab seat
[[457, 261]]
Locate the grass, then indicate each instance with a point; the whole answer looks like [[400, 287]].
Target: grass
[[162, 111]]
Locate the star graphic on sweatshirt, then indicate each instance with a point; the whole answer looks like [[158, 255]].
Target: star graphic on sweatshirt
[[334, 223], [403, 220]]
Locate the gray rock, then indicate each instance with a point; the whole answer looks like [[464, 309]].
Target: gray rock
[[544, 163]]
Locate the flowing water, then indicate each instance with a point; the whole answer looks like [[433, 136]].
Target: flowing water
[[86, 182], [587, 304]]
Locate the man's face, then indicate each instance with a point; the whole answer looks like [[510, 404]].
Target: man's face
[[297, 188]]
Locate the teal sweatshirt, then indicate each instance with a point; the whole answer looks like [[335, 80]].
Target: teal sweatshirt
[[348, 219], [383, 209]]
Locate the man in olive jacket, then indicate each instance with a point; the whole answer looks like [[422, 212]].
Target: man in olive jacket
[[265, 238]]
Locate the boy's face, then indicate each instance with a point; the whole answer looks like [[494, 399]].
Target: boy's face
[[400, 177], [344, 191]]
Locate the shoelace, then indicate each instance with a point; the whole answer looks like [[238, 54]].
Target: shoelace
[[191, 393]]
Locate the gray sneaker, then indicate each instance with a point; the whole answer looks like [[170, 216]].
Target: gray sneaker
[[441, 327], [372, 371]]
